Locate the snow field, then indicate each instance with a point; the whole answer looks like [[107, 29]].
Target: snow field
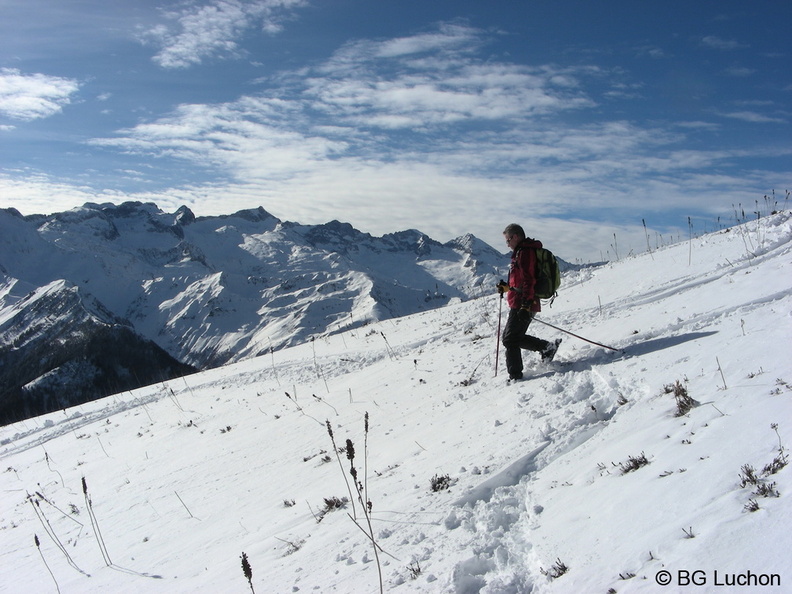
[[185, 476]]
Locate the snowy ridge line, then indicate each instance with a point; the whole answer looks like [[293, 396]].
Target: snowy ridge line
[[52, 429], [688, 284], [683, 286], [780, 246]]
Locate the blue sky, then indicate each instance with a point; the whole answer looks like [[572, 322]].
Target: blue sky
[[581, 120]]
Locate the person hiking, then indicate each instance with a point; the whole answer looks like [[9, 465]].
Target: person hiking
[[523, 303]]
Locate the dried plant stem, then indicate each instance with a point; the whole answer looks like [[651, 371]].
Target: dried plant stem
[[63, 513], [38, 546], [340, 464], [274, 370], [364, 501], [51, 533], [299, 408], [248, 571], [174, 399], [365, 456], [47, 458], [188, 387], [646, 232], [102, 446], [374, 543], [721, 374], [387, 344], [327, 403], [95, 525], [361, 487], [185, 506], [319, 372], [774, 427]]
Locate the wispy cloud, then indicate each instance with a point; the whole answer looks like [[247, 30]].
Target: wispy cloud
[[448, 41], [714, 42], [247, 138], [698, 125], [739, 71], [754, 117], [416, 123], [451, 37], [32, 96], [651, 51], [372, 102], [392, 108], [432, 79], [213, 29]]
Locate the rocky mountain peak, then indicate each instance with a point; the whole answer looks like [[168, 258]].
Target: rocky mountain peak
[[217, 289]]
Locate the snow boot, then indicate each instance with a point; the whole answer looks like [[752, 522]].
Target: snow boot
[[550, 350]]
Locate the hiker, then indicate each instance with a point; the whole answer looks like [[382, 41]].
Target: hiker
[[523, 304]]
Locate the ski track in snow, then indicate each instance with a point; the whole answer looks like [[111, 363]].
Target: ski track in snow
[[186, 475]]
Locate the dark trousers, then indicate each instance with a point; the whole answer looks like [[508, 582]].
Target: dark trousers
[[515, 339]]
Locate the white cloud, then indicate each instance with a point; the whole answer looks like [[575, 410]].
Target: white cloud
[[214, 29], [739, 71], [698, 125], [421, 129], [449, 37], [435, 50], [430, 80], [32, 96], [245, 138], [35, 193], [752, 116], [372, 104], [652, 51], [714, 42], [352, 106]]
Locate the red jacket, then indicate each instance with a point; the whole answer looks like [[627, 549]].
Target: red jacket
[[522, 276]]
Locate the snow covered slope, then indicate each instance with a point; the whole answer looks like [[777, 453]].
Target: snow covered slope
[[582, 478]]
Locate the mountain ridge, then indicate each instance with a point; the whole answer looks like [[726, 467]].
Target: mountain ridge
[[211, 290]]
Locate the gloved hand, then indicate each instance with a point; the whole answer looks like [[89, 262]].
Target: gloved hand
[[503, 287]]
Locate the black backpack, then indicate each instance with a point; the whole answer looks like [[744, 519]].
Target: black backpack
[[548, 275]]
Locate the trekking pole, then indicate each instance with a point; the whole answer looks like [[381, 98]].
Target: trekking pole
[[497, 344], [605, 346]]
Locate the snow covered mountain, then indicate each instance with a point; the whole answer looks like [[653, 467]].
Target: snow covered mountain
[[61, 348], [660, 468], [208, 290]]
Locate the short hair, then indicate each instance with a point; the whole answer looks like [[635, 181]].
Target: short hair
[[514, 229]]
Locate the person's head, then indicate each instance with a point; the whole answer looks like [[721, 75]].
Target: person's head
[[514, 234]]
